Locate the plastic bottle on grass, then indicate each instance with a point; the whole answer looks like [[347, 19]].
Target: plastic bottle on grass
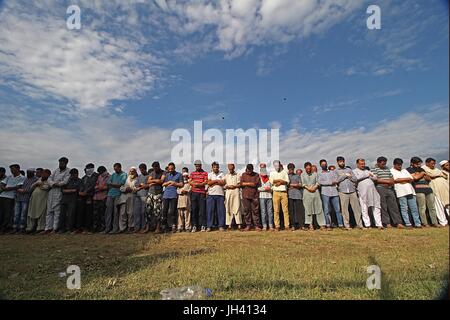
[[186, 293]]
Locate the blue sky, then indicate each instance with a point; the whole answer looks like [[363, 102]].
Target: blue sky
[[137, 70]]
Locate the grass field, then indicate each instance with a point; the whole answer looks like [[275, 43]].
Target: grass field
[[235, 265]]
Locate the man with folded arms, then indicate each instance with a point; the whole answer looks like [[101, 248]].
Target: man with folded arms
[[388, 200]]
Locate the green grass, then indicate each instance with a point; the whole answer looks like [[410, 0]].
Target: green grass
[[235, 265]]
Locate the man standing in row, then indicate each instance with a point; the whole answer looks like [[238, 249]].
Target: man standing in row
[[57, 180], [385, 186], [115, 181], [424, 195], [265, 199], [215, 201], [140, 201], [250, 198], [38, 203], [311, 197], [198, 180], [329, 193], [172, 180], [154, 198], [85, 205], [368, 195], [8, 188], [100, 195], [405, 194], [23, 195], [233, 197], [279, 180], [346, 182], [295, 199]]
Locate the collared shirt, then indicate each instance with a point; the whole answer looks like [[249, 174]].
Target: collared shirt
[[156, 188], [402, 189], [116, 178], [326, 179], [27, 184], [282, 175], [101, 182], [250, 192], [60, 177], [295, 193], [422, 185], [346, 184], [170, 192], [10, 182], [309, 179], [199, 177], [384, 174], [216, 190], [141, 179]]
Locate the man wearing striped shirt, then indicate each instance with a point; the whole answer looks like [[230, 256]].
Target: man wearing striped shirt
[[388, 200], [198, 180]]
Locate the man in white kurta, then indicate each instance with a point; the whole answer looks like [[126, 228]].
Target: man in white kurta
[[58, 179], [232, 197], [440, 187], [368, 194]]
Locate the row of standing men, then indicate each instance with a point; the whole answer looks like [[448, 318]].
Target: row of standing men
[[167, 200]]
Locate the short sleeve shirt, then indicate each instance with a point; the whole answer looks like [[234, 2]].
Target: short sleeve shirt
[[216, 190], [156, 188], [422, 185], [10, 182], [170, 192], [402, 189], [294, 193], [116, 178], [199, 177]]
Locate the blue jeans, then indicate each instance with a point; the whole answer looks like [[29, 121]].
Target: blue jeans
[[20, 214], [215, 204], [337, 209], [406, 202], [266, 207]]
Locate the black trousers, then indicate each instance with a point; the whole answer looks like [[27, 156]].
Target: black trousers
[[169, 212], [68, 215], [198, 209], [98, 216], [251, 212], [389, 207], [6, 213], [296, 213], [85, 209]]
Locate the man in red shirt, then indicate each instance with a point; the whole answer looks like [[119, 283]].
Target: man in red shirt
[[198, 179]]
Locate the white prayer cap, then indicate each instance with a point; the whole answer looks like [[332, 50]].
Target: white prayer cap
[[443, 162]]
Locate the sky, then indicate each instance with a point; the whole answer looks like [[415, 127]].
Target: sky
[[116, 89]]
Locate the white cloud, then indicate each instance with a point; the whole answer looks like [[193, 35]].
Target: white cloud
[[238, 25], [411, 134], [103, 138], [89, 67]]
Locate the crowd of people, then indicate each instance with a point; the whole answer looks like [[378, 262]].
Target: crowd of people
[[40, 201]]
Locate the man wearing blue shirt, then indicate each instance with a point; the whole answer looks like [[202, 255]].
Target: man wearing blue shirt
[[171, 181], [115, 181]]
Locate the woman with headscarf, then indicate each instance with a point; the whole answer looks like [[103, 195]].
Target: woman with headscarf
[[126, 201]]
